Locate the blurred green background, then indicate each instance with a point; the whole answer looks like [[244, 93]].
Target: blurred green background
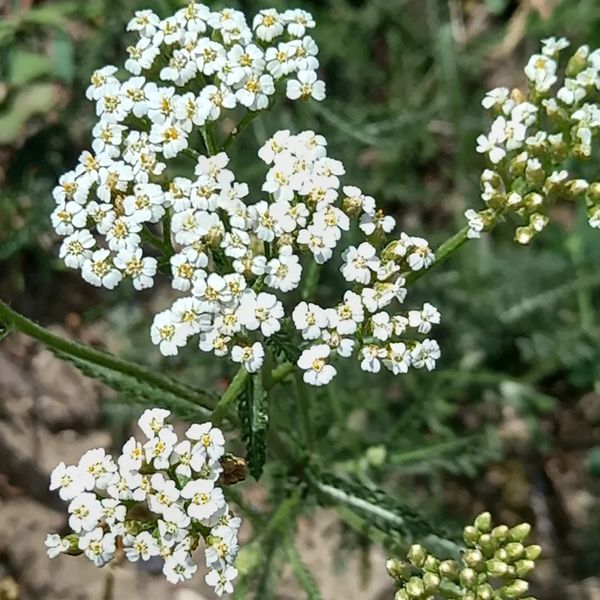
[[514, 404]]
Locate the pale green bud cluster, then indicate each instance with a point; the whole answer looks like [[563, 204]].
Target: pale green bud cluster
[[539, 140], [493, 565]]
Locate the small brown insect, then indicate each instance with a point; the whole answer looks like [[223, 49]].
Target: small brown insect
[[235, 469]]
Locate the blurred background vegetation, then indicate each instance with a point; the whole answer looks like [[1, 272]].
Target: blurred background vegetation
[[510, 421]]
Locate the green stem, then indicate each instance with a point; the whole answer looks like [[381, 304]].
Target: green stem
[[362, 526], [209, 138], [280, 373], [303, 401], [154, 240], [312, 280], [103, 359], [442, 254], [239, 128], [230, 395], [191, 153], [166, 224]]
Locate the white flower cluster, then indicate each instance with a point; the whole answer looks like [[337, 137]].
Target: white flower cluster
[[535, 135], [123, 217], [187, 69], [158, 499], [230, 251]]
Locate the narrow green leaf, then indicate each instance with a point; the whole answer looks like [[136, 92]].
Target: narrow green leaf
[[458, 455], [4, 330], [269, 572], [25, 66], [63, 57], [29, 101], [114, 369], [376, 507], [254, 420], [301, 572], [138, 391]]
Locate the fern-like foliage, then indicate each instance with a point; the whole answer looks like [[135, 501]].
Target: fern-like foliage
[[254, 419], [377, 508], [301, 572], [138, 391]]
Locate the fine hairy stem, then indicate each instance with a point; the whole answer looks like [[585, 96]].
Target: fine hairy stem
[[208, 135], [17, 321], [280, 373], [223, 407], [442, 254], [160, 244], [239, 128], [191, 153], [304, 412]]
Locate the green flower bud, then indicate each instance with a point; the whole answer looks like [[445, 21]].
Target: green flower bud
[[554, 185], [485, 592], [468, 577], [401, 595], [515, 589], [594, 215], [214, 237], [397, 569], [518, 164], [534, 173], [524, 235], [501, 554], [493, 178], [500, 533], [524, 567], [515, 550], [415, 588], [473, 559], [487, 544], [352, 206], [538, 222], [483, 522], [593, 192], [431, 581], [581, 151], [74, 549], [519, 532], [391, 251], [521, 187], [558, 148], [533, 552], [496, 568], [578, 62], [533, 201], [470, 535], [575, 188], [417, 555], [496, 200], [449, 569], [431, 564]]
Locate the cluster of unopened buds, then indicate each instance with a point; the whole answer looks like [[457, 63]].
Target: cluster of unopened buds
[[493, 566], [159, 499], [539, 140], [123, 217]]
